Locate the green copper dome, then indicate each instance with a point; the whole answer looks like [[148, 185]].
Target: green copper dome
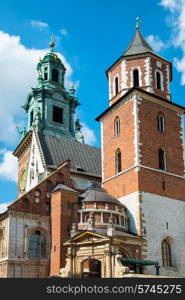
[[51, 57]]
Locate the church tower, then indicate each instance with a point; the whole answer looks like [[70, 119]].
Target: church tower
[[51, 131], [50, 107], [143, 152]]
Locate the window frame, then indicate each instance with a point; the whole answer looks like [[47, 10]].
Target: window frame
[[37, 244], [160, 122], [45, 73], [134, 78], [116, 85], [159, 80], [117, 126], [118, 161], [56, 119], [162, 160], [166, 253], [54, 73]]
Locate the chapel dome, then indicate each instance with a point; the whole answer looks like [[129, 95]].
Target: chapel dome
[[99, 211], [95, 193]]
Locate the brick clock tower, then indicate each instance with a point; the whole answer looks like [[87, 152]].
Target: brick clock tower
[[143, 154]]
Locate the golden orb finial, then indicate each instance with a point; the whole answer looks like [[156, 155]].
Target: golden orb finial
[[52, 44]]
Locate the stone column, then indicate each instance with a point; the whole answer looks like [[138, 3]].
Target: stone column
[[101, 217], [108, 263], [81, 217]]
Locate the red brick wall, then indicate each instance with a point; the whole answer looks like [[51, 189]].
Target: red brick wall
[[140, 63], [123, 184], [124, 142], [151, 139], [128, 182], [27, 204], [63, 211], [152, 182]]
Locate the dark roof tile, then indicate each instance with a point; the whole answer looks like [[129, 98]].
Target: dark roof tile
[[138, 45], [57, 150]]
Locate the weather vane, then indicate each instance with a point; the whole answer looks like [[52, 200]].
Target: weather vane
[[138, 22], [52, 44]]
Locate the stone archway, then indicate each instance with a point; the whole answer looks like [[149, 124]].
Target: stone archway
[[91, 268]]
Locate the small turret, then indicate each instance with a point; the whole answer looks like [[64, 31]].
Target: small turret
[[78, 135], [51, 70]]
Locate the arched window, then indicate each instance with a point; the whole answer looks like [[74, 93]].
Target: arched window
[[166, 253], [117, 126], [31, 118], [116, 85], [37, 245], [86, 217], [116, 220], [45, 73], [55, 75], [118, 161], [160, 123], [135, 77], [158, 79], [162, 159]]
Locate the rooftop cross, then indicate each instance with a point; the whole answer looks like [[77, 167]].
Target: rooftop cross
[[138, 22]]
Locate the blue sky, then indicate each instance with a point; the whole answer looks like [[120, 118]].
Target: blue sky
[[90, 35]]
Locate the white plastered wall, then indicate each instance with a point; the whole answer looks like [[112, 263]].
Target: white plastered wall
[[35, 165], [164, 217]]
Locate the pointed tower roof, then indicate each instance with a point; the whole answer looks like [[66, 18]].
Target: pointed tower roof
[[138, 45]]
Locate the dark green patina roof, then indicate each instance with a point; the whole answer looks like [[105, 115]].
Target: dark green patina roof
[[138, 45], [51, 57], [84, 158]]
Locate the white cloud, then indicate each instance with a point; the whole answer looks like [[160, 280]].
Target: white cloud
[[3, 207], [155, 42], [8, 166], [177, 10], [18, 73], [88, 134], [38, 24], [172, 5], [63, 31]]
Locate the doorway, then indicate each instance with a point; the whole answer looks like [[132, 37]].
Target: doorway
[[91, 268]]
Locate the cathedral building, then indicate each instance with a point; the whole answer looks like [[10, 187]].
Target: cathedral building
[[117, 211]]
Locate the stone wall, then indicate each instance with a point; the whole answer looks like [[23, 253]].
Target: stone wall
[[155, 218], [18, 262], [163, 217]]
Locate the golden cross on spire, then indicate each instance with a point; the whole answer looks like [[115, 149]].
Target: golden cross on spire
[[52, 44], [138, 22]]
